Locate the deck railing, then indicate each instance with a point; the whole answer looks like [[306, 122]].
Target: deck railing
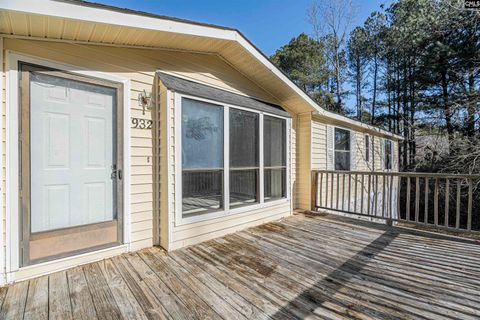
[[439, 200]]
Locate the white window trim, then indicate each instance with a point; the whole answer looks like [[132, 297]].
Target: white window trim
[[12, 194], [333, 143], [179, 220]]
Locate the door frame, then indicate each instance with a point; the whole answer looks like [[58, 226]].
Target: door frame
[[25, 172], [13, 227]]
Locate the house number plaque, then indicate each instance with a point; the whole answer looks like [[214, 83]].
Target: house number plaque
[[139, 123]]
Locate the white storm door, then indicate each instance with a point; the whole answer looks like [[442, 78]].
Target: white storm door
[[73, 166]]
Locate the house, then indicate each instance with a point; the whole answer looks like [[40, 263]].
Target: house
[[123, 129]]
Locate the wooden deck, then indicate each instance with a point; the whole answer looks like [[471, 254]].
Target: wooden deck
[[322, 267]]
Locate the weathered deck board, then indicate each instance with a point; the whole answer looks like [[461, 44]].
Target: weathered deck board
[[315, 267]]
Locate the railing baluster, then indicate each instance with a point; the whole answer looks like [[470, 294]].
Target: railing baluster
[[326, 190], [390, 196], [408, 200], [435, 203], [399, 190], [459, 187], [320, 194], [331, 193], [470, 204], [314, 190], [338, 186], [447, 201], [343, 191], [383, 196], [417, 199], [361, 194], [356, 194], [369, 191], [425, 217], [375, 196], [349, 189]]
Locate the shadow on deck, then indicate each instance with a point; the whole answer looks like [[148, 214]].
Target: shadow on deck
[[323, 267]]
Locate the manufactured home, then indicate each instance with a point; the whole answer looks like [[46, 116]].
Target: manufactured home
[[122, 130]]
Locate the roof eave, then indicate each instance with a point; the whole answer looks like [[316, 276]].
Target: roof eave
[[137, 19]]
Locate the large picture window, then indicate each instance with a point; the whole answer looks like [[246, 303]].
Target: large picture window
[[223, 160], [202, 157], [342, 149]]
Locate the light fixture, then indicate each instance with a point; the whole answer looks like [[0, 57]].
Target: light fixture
[[145, 100]]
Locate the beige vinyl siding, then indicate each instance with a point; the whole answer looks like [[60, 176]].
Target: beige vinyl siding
[[303, 158], [319, 162], [202, 231], [139, 65], [319, 145]]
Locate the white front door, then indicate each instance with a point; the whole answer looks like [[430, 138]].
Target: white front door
[[73, 165]]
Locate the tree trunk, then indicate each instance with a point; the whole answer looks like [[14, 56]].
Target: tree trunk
[[471, 104], [337, 78], [411, 122], [389, 102], [359, 87], [406, 127], [374, 100], [447, 108]]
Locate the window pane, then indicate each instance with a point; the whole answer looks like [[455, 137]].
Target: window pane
[[244, 153], [274, 145], [388, 154], [275, 182], [342, 160], [243, 187], [243, 138], [202, 135], [202, 192], [202, 157], [367, 148], [342, 139]]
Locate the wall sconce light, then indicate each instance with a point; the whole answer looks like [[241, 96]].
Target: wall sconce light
[[145, 100]]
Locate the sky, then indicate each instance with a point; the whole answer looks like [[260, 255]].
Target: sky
[[269, 24]]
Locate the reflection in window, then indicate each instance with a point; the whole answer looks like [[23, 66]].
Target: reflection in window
[[342, 149], [202, 157], [244, 157], [388, 155], [275, 158]]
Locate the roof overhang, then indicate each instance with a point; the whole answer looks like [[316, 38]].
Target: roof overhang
[[84, 22]]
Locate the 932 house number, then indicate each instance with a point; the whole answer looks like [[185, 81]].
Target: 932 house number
[[138, 123]]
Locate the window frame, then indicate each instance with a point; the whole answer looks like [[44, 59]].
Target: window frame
[[226, 210], [335, 149]]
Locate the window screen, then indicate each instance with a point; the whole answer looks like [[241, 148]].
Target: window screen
[[202, 157], [244, 157], [367, 148], [342, 149], [275, 158], [388, 154]]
